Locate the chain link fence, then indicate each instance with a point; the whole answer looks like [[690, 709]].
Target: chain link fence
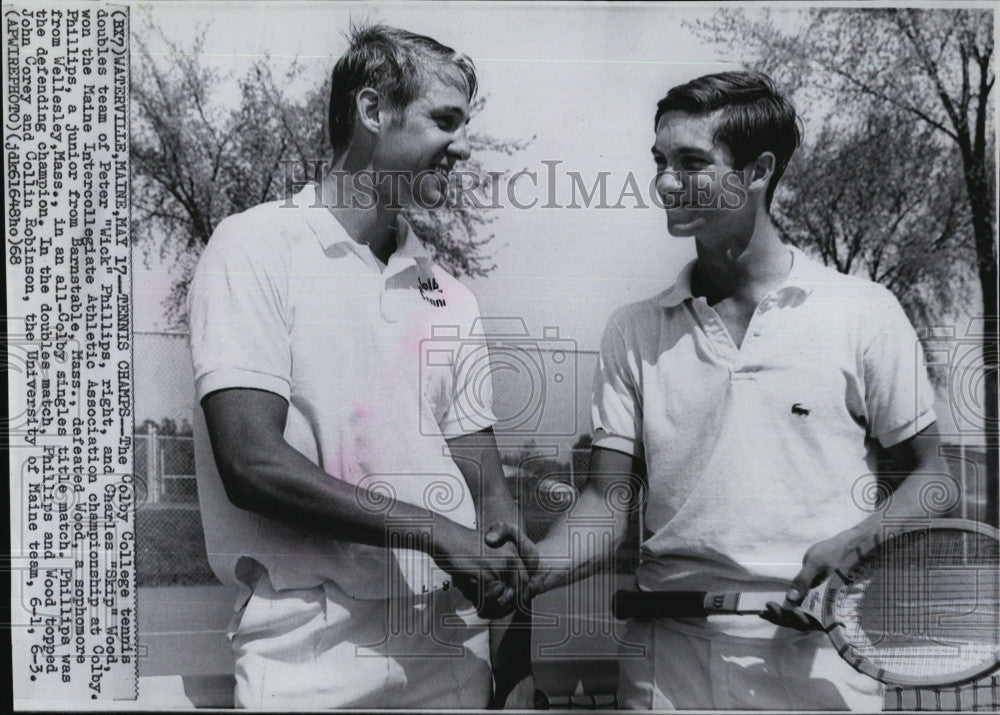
[[170, 539], [169, 460]]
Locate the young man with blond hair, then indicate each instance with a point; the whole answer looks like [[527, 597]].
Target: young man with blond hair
[[344, 477]]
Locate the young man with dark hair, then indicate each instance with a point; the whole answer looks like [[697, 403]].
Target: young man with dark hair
[[343, 476], [751, 394]]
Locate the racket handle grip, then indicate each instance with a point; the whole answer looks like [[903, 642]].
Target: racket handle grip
[[651, 604]]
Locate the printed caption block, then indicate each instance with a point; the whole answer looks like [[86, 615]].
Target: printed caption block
[[69, 353]]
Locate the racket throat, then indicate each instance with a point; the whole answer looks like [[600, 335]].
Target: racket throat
[[736, 603], [752, 602], [717, 604]]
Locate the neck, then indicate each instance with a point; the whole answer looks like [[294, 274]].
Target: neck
[[740, 263], [351, 204]]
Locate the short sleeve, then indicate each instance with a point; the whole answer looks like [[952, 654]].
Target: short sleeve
[[237, 312], [616, 411], [898, 395], [470, 408]]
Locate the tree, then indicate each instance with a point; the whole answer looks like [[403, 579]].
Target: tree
[[882, 198], [196, 161], [932, 66], [167, 426]]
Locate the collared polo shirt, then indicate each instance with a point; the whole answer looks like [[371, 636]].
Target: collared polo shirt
[[377, 363], [755, 454]]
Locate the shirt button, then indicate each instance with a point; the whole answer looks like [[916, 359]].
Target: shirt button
[[756, 333]]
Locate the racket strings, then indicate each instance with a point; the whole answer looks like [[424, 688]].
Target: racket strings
[[924, 603], [980, 696]]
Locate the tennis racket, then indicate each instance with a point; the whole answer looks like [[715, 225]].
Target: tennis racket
[[919, 606]]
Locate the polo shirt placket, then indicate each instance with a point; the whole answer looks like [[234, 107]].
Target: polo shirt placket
[[745, 361]]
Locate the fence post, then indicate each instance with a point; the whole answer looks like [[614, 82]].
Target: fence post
[[572, 469], [155, 483]]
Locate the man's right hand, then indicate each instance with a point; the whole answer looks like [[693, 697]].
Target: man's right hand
[[503, 534], [493, 578]]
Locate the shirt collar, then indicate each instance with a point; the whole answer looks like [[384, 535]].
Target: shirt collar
[[330, 232], [408, 244], [680, 290], [805, 273], [802, 278]]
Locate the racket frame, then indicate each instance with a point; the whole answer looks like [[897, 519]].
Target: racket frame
[[819, 604], [837, 632]]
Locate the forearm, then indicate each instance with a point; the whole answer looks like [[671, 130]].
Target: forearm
[[924, 489], [918, 472], [584, 545], [277, 481], [478, 458], [924, 494], [263, 473]]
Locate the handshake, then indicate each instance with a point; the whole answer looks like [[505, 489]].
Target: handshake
[[497, 570]]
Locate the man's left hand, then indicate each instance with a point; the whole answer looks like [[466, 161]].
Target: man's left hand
[[819, 561], [500, 533]]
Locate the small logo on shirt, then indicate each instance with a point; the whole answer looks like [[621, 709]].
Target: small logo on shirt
[[428, 288], [798, 409]]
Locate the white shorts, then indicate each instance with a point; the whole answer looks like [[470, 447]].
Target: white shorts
[[319, 648], [690, 668]]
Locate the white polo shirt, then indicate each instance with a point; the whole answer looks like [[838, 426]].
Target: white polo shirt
[[376, 364], [755, 454]]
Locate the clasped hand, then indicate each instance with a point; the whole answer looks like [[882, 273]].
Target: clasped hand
[[492, 571], [505, 537]]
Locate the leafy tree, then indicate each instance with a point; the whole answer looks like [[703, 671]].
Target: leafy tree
[[166, 427], [196, 161], [147, 426], [933, 67], [867, 200]]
